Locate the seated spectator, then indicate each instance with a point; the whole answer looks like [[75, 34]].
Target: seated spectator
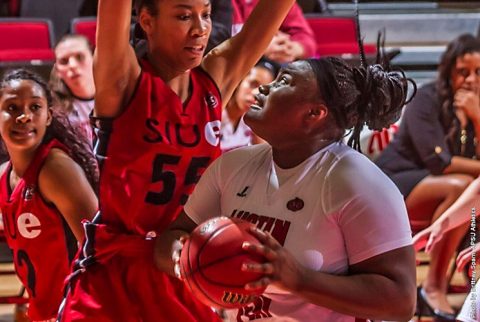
[[72, 81], [295, 40], [234, 132], [431, 157]]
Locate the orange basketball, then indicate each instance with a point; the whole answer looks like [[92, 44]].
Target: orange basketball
[[211, 262]]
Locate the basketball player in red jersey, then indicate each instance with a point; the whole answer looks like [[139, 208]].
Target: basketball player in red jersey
[[45, 189], [158, 122]]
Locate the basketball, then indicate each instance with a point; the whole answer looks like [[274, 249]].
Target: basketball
[[211, 262]]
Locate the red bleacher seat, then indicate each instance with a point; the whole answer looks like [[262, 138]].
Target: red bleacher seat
[[86, 26], [25, 39], [336, 35]]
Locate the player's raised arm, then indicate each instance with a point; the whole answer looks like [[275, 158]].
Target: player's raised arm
[[229, 62], [115, 66]]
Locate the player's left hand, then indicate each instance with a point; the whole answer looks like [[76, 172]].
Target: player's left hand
[[280, 267]]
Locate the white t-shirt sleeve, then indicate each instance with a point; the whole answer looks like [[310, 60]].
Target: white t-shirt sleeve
[[204, 202], [368, 208]]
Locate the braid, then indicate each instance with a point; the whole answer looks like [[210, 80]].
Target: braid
[[363, 60], [359, 96]]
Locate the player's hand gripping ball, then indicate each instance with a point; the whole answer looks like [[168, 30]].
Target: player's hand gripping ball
[[211, 262]]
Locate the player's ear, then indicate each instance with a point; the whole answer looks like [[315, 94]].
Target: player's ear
[[317, 112], [145, 20], [49, 116]]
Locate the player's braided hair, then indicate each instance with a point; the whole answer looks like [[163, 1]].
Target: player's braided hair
[[358, 96], [60, 128], [462, 45], [371, 95]]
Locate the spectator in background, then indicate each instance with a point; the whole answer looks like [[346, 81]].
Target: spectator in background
[[234, 132], [295, 40], [72, 81], [432, 158]]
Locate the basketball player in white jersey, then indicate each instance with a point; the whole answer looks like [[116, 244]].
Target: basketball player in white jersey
[[333, 228]]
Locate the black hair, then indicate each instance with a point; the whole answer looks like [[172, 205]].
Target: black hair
[[151, 6], [358, 96], [460, 46], [60, 127], [270, 65], [371, 95]]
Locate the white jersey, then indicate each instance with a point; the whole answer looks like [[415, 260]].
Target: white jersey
[[80, 116], [333, 210], [231, 138], [471, 307]]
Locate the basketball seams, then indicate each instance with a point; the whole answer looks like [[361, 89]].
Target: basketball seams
[[220, 294], [192, 281]]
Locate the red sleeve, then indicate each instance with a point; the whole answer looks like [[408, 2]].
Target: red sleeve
[[297, 27]]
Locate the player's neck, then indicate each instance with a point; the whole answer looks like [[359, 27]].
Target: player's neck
[[234, 113], [289, 156], [21, 161], [181, 86]]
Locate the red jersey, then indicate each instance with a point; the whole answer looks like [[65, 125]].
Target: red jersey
[[156, 151], [43, 245], [151, 156]]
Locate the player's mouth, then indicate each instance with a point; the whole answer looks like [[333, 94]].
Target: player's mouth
[[23, 132], [259, 102], [196, 50]]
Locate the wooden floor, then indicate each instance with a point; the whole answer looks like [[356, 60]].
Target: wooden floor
[[10, 285]]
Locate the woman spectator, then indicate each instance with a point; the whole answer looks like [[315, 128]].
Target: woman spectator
[[432, 157]]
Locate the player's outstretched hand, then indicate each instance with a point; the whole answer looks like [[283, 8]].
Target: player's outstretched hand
[[280, 267]]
